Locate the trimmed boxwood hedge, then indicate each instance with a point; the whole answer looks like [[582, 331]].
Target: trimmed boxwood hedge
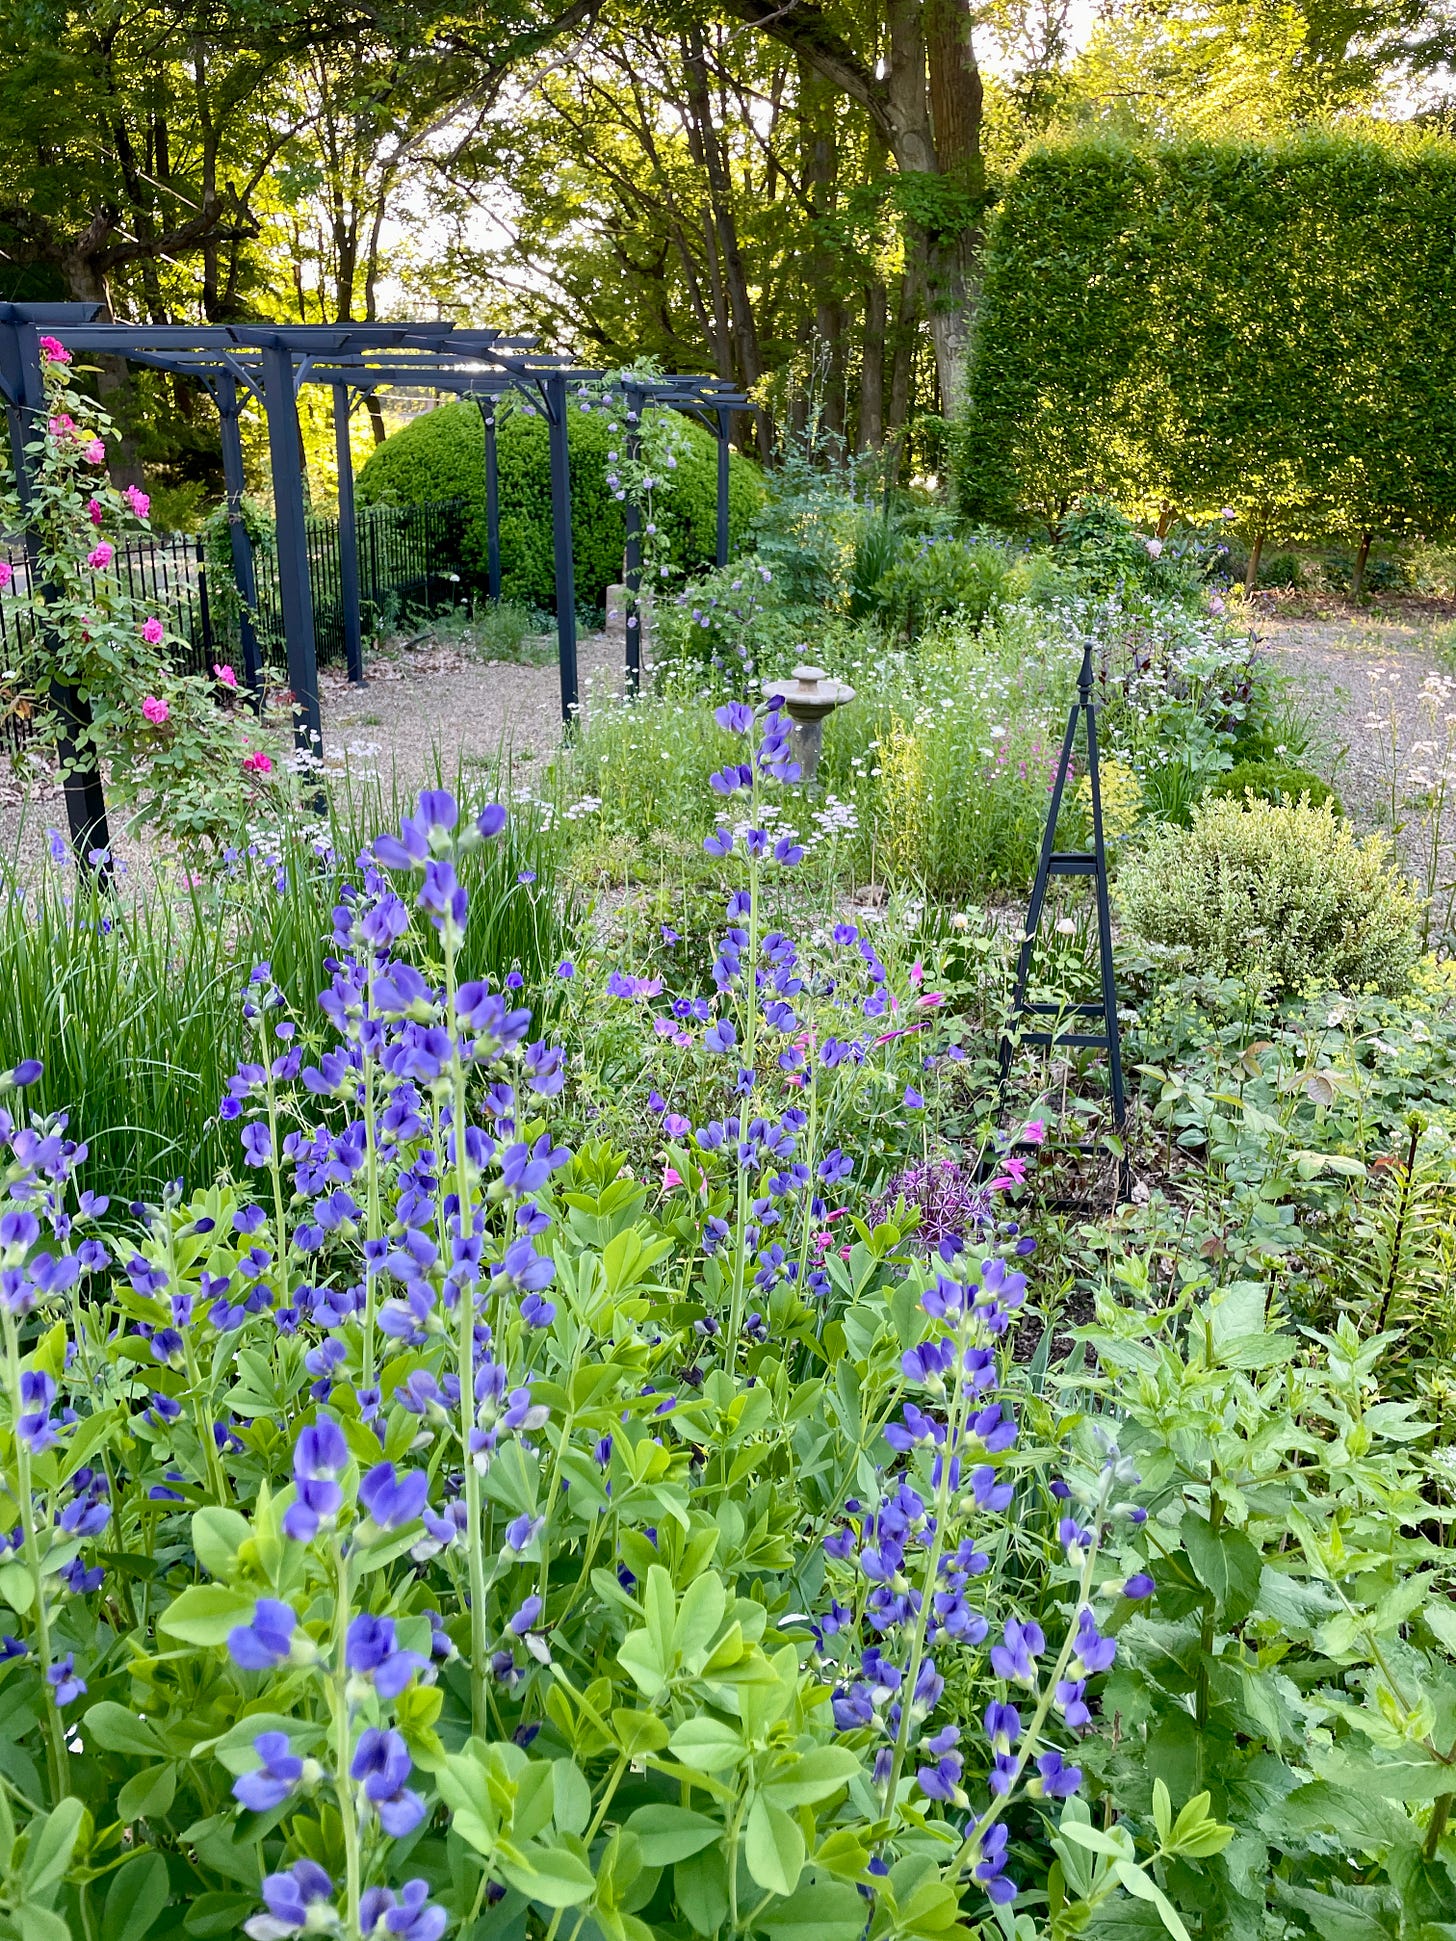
[[441, 455]]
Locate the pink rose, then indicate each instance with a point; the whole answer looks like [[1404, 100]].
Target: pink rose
[[258, 763], [138, 500], [94, 453], [152, 631], [155, 711], [100, 555], [93, 511], [225, 675], [62, 425], [7, 573], [54, 352]]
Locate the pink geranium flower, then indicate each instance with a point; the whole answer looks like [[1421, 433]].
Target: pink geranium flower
[[258, 763], [138, 500], [152, 631], [54, 352], [155, 711], [225, 675], [100, 555]]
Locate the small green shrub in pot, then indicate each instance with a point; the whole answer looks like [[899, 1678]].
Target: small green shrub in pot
[[1283, 890]]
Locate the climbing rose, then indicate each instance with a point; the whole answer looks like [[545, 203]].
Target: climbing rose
[[100, 555], [138, 500], [54, 352], [152, 631], [156, 711], [7, 573], [258, 763], [225, 675], [94, 453]]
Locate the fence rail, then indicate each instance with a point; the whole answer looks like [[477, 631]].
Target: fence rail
[[410, 559]]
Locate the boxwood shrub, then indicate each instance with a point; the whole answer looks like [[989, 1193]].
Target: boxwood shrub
[[441, 455]]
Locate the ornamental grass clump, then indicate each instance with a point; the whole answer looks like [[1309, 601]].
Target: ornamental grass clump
[[1285, 893]]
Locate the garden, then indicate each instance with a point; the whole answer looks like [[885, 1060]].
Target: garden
[[820, 1307]]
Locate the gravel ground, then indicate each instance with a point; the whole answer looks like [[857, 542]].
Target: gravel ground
[[421, 701], [1383, 713]]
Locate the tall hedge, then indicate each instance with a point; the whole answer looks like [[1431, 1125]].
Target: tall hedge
[[441, 455], [1265, 325]]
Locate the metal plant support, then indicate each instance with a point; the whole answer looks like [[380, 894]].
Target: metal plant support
[[1073, 862]]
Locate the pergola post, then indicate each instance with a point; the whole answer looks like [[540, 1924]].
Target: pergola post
[[636, 400], [81, 784], [348, 539], [492, 501], [720, 421], [554, 394], [244, 577], [295, 592]]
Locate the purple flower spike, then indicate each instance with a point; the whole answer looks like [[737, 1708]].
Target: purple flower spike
[[382, 1761], [406, 1916], [371, 1651], [273, 1780], [1139, 1586], [289, 1899], [1057, 1779]]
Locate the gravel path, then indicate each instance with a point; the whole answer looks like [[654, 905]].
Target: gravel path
[[1383, 713], [422, 702]]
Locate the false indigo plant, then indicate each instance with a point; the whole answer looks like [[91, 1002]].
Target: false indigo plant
[[412, 1532]]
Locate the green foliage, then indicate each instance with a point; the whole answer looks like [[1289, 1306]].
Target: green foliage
[[1107, 553], [1283, 891], [1186, 380], [937, 574], [1275, 781], [441, 455]]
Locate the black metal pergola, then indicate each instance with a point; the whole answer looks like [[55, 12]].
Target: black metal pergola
[[268, 363]]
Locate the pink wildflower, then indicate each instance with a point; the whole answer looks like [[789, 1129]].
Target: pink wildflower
[[62, 425], [94, 453], [670, 1178], [94, 512], [917, 974], [54, 352], [258, 763], [138, 500], [1034, 1131], [100, 555], [152, 631], [225, 675], [156, 711]]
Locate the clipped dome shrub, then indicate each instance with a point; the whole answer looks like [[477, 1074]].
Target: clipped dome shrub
[[441, 455], [1284, 890], [1276, 781]]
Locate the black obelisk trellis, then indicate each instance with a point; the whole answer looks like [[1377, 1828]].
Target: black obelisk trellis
[[1072, 862]]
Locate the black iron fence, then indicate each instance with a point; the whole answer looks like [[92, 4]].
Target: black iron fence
[[410, 561]]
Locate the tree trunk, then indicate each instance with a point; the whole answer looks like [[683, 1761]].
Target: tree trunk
[[870, 423], [1357, 578], [902, 355], [820, 169], [735, 276], [1251, 574]]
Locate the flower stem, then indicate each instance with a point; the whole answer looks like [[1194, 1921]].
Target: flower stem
[[56, 1736], [343, 1747]]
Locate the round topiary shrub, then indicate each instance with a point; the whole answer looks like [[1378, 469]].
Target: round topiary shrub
[[1276, 782], [441, 455], [1286, 891]]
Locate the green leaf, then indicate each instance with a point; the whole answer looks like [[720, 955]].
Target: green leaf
[[816, 1776], [51, 1843], [116, 1729], [147, 1794], [1162, 1811], [671, 1833], [206, 1613], [773, 1847], [1143, 1888], [552, 1875], [219, 1914], [709, 1744], [17, 1587], [34, 1923], [820, 1910], [217, 1536], [136, 1896], [1225, 1563]]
